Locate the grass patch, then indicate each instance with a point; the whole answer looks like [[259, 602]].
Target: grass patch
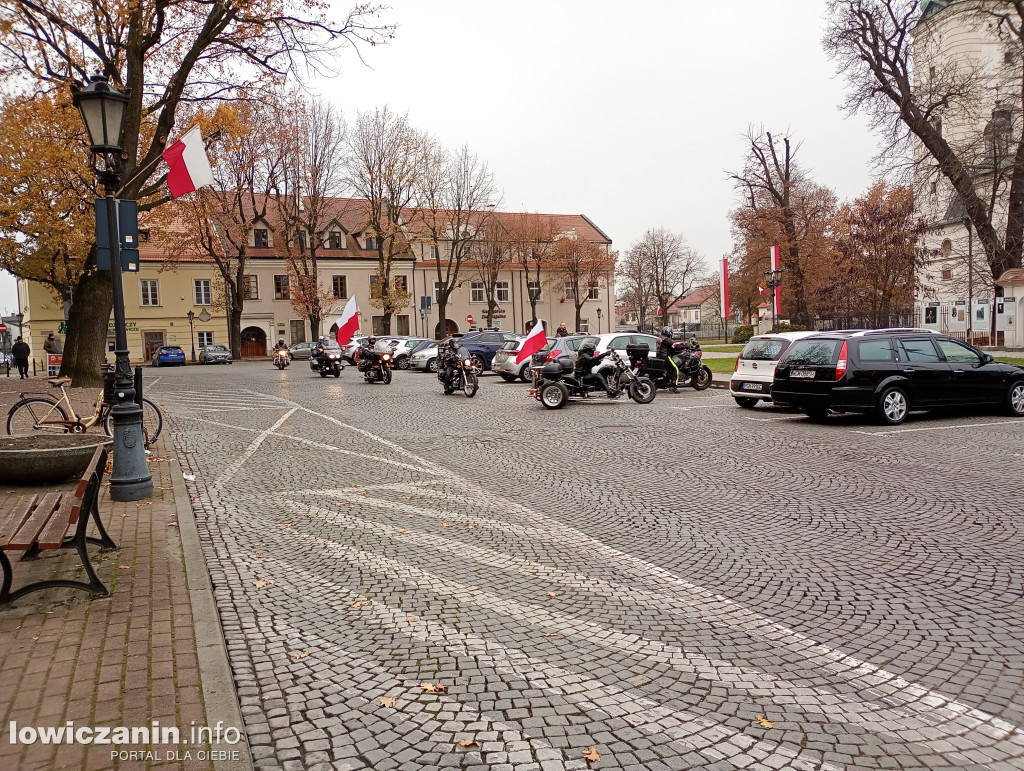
[[720, 365], [722, 348], [1010, 360]]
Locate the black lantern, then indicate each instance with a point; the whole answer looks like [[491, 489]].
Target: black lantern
[[102, 109], [773, 279]]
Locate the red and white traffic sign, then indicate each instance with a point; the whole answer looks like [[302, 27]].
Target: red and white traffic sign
[[3, 328], [469, 318]]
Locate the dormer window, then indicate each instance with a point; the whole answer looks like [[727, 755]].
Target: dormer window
[[334, 240], [371, 243], [261, 238]]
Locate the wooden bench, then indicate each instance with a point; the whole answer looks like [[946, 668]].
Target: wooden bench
[[56, 521]]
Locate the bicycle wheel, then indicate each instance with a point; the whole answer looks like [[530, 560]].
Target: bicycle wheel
[[36, 416], [152, 421]]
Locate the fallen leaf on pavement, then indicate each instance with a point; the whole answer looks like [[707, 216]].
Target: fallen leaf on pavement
[[403, 530], [302, 655], [470, 527], [468, 743], [433, 688], [124, 567], [124, 515], [261, 583], [388, 701], [358, 604], [445, 524], [287, 524], [764, 722], [356, 485], [172, 524], [260, 556], [410, 618], [592, 755], [552, 594], [551, 634]]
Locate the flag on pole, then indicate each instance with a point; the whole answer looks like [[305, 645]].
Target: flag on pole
[[724, 289], [189, 168], [348, 323], [497, 303], [533, 342], [760, 291], [775, 265]]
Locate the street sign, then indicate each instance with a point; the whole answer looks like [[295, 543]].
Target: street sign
[[128, 227], [3, 328], [469, 318], [425, 305]]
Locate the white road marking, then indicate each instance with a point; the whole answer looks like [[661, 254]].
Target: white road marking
[[249, 451], [941, 428]]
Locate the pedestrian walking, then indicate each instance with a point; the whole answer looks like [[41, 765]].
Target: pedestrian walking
[[562, 331], [20, 351]]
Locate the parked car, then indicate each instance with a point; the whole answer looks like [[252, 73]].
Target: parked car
[[302, 350], [169, 355], [560, 346], [402, 351], [424, 357], [214, 354], [890, 372], [617, 341], [483, 345], [504, 362], [751, 380], [348, 351]]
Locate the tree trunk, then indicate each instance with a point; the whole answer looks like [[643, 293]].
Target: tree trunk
[[86, 341], [442, 324], [235, 332], [385, 326]]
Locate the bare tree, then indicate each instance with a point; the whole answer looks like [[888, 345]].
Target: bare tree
[[531, 239], [915, 93], [491, 254], [311, 177], [663, 267], [452, 194], [386, 157], [580, 264]]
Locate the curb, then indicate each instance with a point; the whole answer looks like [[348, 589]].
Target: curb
[[218, 685]]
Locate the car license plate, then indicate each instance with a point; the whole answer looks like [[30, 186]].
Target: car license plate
[[802, 373], [751, 386]]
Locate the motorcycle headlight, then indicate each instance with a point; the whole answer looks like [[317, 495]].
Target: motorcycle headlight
[[386, 357], [333, 355], [467, 362]]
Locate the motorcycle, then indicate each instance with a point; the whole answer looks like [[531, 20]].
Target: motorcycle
[[327, 363], [692, 371], [375, 366], [460, 374], [282, 358], [555, 383]]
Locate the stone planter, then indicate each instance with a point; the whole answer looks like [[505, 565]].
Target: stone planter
[[46, 459]]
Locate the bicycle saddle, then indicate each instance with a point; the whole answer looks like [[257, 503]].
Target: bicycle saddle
[[58, 382]]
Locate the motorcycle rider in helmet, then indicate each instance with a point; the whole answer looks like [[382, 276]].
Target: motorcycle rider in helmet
[[665, 350], [586, 359], [282, 347], [366, 350], [448, 357]]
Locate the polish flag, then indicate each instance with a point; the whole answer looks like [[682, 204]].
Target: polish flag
[[533, 342], [348, 324], [188, 164], [760, 291]]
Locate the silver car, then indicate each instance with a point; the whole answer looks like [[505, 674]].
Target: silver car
[[301, 350], [214, 354], [505, 362], [425, 358]]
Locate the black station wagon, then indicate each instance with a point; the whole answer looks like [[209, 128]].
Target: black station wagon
[[889, 372]]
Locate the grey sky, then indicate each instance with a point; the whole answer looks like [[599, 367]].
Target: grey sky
[[629, 113]]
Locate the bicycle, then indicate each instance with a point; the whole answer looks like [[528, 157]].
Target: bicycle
[[43, 413]]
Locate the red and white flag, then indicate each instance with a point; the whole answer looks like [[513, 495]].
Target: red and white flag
[[760, 291], [533, 342], [723, 287], [188, 164], [348, 323], [776, 263]]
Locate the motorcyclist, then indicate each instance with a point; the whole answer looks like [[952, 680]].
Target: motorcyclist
[[666, 348], [449, 358], [366, 351], [282, 347], [586, 360]]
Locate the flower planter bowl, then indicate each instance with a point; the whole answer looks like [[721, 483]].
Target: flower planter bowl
[[46, 459]]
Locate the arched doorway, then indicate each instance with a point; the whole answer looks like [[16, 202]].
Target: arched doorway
[[452, 328], [254, 343]]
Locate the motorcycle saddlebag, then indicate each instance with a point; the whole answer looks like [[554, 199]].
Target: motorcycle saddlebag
[[654, 366], [637, 354], [552, 370]]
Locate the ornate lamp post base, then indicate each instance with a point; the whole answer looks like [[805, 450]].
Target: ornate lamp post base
[[130, 480]]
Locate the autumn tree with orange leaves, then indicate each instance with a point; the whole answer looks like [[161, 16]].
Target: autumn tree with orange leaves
[[169, 57]]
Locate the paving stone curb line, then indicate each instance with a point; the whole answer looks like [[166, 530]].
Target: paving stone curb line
[[211, 650]]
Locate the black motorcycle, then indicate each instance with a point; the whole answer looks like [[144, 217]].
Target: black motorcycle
[[692, 371], [282, 358], [327, 362], [556, 382], [375, 366], [459, 374]]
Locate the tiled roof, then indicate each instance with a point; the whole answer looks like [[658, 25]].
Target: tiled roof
[[695, 299]]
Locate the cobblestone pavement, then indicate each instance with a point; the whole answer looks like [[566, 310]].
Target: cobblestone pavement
[[413, 581]]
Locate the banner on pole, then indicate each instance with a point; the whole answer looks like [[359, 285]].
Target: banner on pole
[[723, 286], [775, 265]]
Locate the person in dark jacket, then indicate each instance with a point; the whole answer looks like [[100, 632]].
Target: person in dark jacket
[[20, 353], [666, 347], [561, 331], [587, 359]]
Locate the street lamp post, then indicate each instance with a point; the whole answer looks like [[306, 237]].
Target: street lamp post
[[102, 109], [599, 314], [192, 326], [773, 280]]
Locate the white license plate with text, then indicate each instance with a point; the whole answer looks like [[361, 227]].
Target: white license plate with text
[[807, 374]]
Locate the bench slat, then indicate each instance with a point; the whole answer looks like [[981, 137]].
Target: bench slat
[[12, 521], [26, 535], [52, 535], [83, 483]]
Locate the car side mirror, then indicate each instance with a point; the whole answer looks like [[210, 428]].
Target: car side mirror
[[986, 358]]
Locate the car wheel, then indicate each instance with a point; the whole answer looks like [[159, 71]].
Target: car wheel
[[403, 363], [893, 406], [508, 378], [746, 402], [432, 366], [481, 365], [815, 413], [524, 373], [1015, 399]]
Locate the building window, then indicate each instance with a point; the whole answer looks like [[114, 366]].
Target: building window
[[300, 238], [204, 338], [476, 292], [281, 287], [261, 238], [150, 295], [371, 243], [373, 283], [569, 291], [947, 274], [584, 327], [437, 291], [334, 240], [433, 252], [594, 291], [402, 283], [250, 287], [533, 288], [340, 286], [143, 236], [376, 325], [402, 325], [202, 291], [502, 293], [298, 331]]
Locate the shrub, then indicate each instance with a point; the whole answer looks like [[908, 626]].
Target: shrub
[[743, 334], [790, 328]]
